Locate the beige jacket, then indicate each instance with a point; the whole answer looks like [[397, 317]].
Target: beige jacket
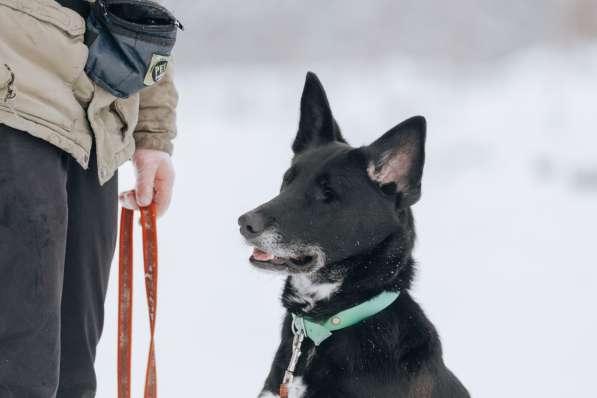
[[45, 91]]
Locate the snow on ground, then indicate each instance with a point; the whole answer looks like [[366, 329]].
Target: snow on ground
[[507, 222]]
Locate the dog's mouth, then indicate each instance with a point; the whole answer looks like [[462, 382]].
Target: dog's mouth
[[267, 260]]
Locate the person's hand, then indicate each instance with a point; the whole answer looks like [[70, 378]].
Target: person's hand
[[155, 178]]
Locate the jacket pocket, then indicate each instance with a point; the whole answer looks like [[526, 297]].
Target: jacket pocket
[[128, 113], [119, 120], [42, 43], [47, 36]]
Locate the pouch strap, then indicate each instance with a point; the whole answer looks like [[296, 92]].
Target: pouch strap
[[125, 297], [80, 6]]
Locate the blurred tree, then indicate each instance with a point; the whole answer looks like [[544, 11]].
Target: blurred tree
[[584, 18], [462, 32]]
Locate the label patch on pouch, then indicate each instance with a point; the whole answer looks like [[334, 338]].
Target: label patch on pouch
[[157, 69]]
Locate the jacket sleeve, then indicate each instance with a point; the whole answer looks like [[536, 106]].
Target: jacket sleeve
[[156, 127]]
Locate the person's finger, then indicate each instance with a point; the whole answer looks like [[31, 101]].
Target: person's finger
[[164, 183], [128, 200], [162, 199], [145, 183]]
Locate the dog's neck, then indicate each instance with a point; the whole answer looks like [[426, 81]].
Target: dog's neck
[[341, 285]]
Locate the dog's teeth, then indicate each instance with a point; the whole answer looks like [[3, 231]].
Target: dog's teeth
[[278, 260]]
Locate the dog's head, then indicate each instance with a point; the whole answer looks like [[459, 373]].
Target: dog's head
[[336, 201]]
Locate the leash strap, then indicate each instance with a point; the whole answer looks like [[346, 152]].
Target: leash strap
[[297, 342], [125, 297]]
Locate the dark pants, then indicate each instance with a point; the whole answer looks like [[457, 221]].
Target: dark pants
[[57, 238]]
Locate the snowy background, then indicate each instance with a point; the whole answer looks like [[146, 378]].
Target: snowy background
[[507, 223]]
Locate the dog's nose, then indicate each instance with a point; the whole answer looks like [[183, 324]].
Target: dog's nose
[[252, 224]]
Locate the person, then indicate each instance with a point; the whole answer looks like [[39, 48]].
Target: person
[[62, 139]]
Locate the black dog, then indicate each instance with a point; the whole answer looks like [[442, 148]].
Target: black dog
[[343, 231]]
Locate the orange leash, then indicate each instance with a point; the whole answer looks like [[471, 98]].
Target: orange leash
[[125, 297]]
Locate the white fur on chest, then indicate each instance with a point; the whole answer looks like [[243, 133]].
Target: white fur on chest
[[268, 394], [296, 389], [308, 292]]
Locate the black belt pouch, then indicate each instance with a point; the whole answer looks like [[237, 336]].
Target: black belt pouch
[[130, 43]]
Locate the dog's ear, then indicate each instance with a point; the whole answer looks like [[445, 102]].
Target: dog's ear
[[317, 125], [396, 160]]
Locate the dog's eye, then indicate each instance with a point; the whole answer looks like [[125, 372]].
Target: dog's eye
[[389, 189], [326, 194]]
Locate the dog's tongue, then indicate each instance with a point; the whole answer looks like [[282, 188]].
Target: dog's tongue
[[260, 255]]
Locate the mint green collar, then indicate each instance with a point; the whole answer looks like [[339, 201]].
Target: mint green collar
[[319, 331]]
